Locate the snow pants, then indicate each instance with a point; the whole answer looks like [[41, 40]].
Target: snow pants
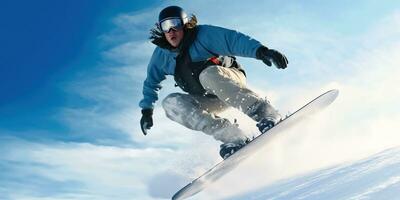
[[200, 112]]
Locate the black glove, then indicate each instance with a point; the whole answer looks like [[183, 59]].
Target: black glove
[[268, 55], [146, 122]]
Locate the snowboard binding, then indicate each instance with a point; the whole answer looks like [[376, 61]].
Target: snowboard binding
[[227, 149]]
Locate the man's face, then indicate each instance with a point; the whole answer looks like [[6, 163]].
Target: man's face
[[174, 37]]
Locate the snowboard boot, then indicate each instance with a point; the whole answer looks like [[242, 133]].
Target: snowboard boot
[[265, 124], [229, 148], [266, 116]]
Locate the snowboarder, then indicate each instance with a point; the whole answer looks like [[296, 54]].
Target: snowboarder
[[201, 59]]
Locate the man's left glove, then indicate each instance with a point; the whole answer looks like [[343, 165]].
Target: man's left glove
[[146, 122], [271, 55]]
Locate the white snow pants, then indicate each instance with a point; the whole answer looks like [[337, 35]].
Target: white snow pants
[[199, 112]]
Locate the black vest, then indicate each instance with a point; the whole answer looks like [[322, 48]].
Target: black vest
[[187, 72]]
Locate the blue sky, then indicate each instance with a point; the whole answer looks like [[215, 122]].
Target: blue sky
[[46, 43], [71, 75]]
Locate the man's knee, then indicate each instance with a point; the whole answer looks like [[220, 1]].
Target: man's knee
[[210, 75], [170, 100], [178, 104]]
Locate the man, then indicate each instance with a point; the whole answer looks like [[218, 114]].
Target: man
[[200, 57]]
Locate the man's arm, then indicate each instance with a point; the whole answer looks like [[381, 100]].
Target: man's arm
[[224, 41], [151, 87], [152, 84]]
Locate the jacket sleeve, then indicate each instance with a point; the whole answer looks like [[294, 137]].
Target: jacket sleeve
[[152, 83], [224, 41]]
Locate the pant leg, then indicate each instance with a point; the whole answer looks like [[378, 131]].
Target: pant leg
[[210, 104], [229, 84], [199, 113]]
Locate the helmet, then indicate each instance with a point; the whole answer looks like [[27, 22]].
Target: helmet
[[173, 12]]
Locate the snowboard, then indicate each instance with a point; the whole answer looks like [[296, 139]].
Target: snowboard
[[232, 161]]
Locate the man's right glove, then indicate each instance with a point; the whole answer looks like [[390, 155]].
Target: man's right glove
[[271, 55], [146, 122]]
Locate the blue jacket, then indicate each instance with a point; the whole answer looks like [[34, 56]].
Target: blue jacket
[[210, 39]]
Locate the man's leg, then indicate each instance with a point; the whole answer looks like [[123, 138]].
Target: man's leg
[[198, 113], [229, 84]]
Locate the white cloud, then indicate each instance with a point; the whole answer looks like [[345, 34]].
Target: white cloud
[[103, 172], [131, 52]]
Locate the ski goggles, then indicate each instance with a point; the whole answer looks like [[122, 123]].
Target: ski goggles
[[171, 23]]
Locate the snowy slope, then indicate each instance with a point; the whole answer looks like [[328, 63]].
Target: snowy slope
[[376, 177]]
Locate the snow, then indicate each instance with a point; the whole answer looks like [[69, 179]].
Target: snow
[[375, 177]]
